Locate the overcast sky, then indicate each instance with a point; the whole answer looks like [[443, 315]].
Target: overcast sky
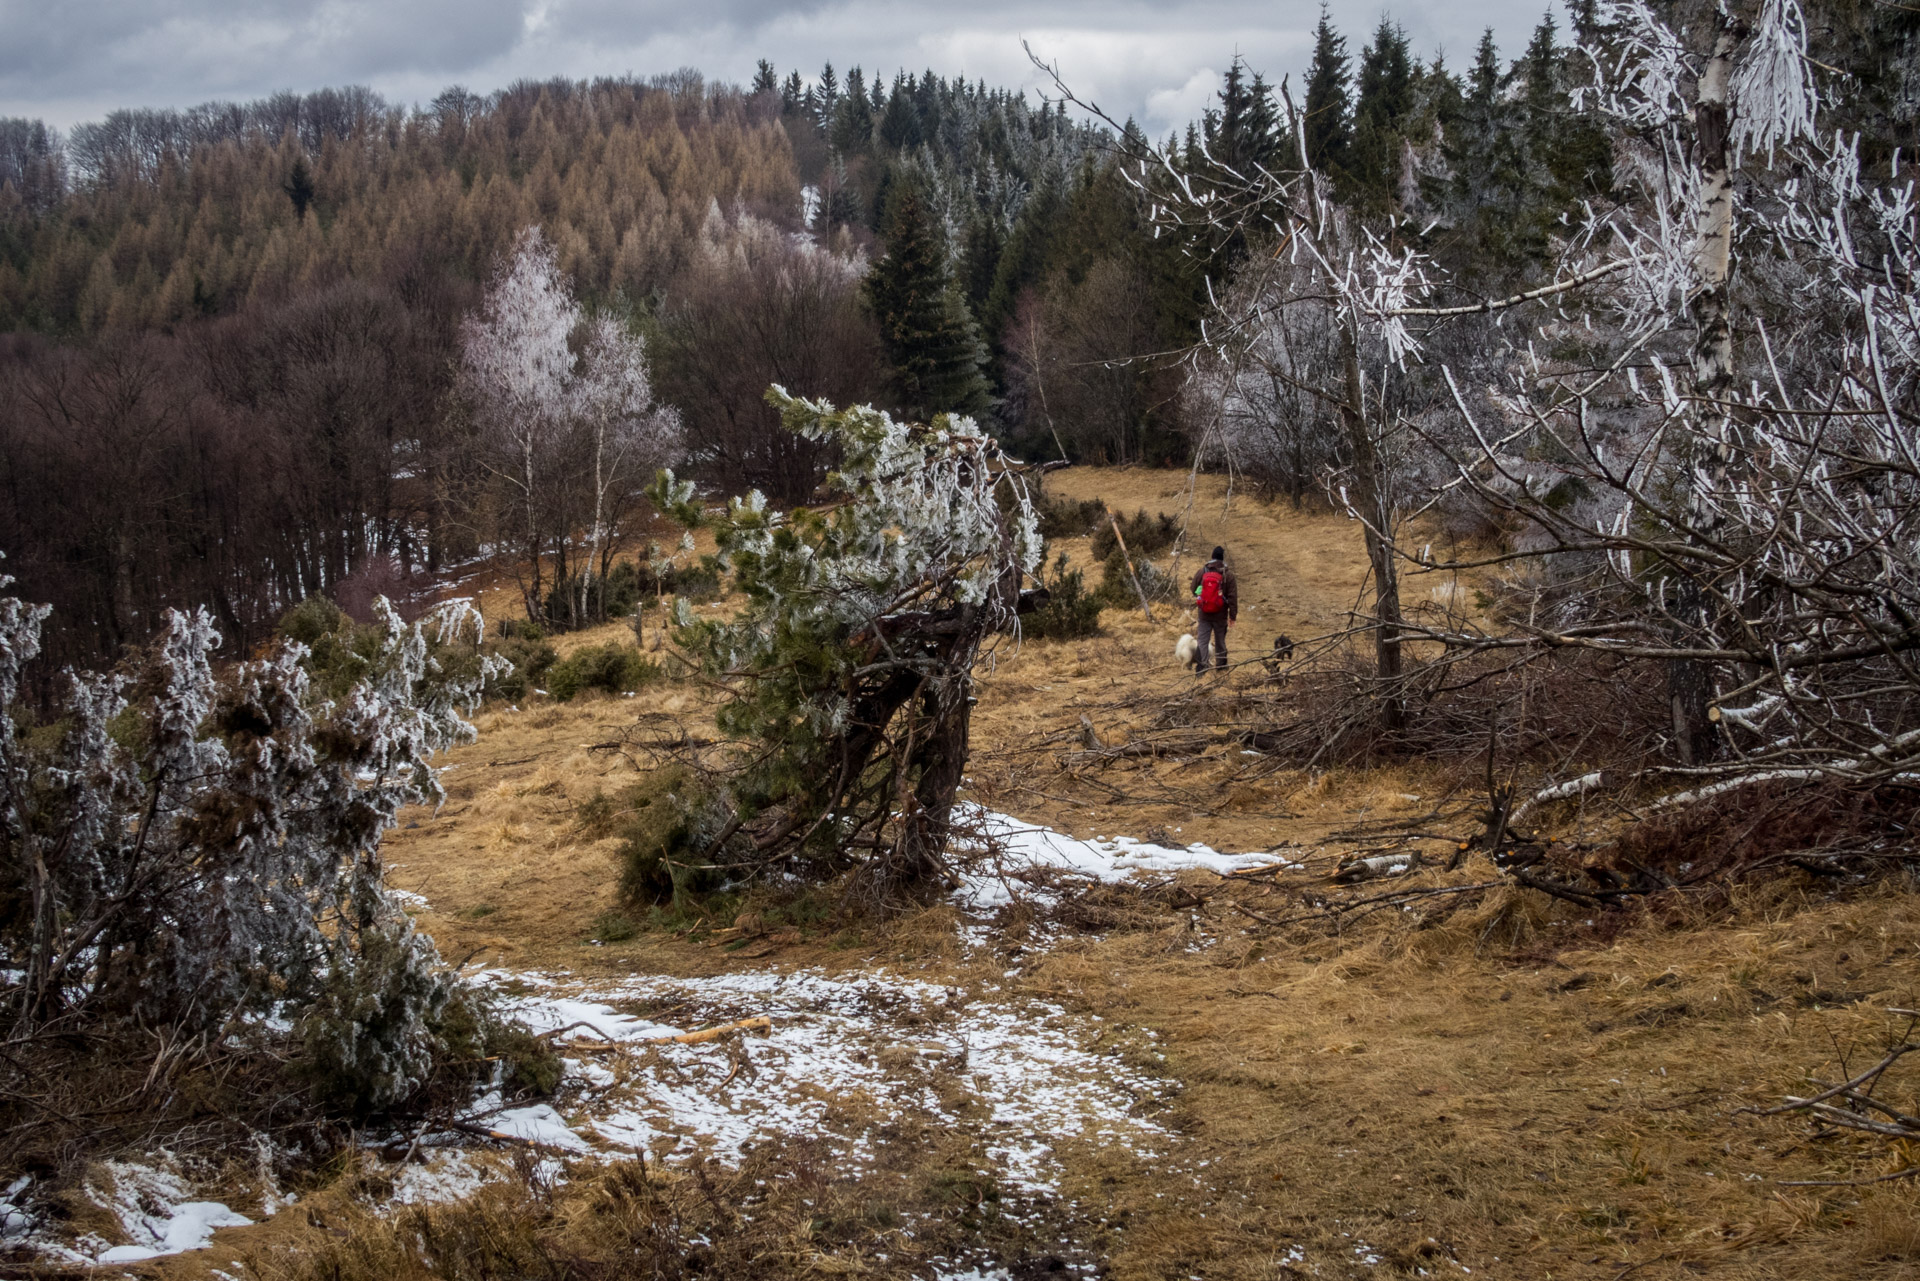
[[66, 61]]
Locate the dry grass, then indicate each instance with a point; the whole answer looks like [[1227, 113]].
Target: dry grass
[[1495, 1086], [1568, 1119]]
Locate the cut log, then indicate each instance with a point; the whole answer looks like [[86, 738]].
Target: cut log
[[705, 1034]]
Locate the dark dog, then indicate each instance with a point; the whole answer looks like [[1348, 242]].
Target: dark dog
[[1282, 652]]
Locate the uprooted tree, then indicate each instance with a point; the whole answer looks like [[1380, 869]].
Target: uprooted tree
[[847, 674]]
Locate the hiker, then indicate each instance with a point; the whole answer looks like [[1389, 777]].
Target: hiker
[[1217, 600]]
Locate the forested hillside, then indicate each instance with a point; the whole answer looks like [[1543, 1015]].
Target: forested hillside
[[233, 331]]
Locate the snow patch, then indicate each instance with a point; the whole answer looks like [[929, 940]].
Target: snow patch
[[1028, 1069], [1016, 849], [154, 1211]]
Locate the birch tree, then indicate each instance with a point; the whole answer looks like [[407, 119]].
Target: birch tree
[[517, 370], [629, 433], [1751, 438], [568, 405]]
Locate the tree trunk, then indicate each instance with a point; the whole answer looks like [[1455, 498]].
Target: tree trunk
[[1374, 503], [592, 566], [1708, 447], [533, 529], [941, 757]]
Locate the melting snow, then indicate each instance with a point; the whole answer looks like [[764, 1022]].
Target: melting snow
[[1018, 848], [1027, 1067], [153, 1208]]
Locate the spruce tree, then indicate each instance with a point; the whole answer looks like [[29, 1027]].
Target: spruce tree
[[852, 130], [980, 261], [1328, 126], [1023, 260], [1380, 116], [299, 187], [900, 124], [929, 339], [764, 79], [827, 96], [1243, 131]]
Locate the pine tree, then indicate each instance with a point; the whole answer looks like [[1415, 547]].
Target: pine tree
[[847, 673], [929, 339], [764, 79], [1380, 117], [1328, 126], [792, 94]]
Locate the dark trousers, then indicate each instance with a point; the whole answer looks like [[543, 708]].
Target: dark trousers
[[1214, 625]]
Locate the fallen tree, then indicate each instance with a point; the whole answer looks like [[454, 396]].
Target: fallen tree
[[846, 675]]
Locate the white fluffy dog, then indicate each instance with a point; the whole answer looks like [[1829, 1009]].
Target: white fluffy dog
[[1186, 649]]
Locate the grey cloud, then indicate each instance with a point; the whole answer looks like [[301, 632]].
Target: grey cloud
[[76, 59]]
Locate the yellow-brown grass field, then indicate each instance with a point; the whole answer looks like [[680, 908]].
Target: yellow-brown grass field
[[1501, 1092]]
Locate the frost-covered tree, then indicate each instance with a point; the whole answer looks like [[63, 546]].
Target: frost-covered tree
[[848, 670], [628, 433], [1711, 469], [567, 408], [516, 369], [184, 848]]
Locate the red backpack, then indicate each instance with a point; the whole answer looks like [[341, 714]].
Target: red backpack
[[1212, 598]]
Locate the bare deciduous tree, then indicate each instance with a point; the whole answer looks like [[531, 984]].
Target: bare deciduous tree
[[567, 405]]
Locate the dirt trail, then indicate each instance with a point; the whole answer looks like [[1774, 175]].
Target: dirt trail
[[1502, 1093]]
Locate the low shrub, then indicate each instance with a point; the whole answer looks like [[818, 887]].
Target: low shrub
[[613, 668], [1145, 535], [614, 927], [668, 851], [473, 1037], [1116, 589], [341, 652], [1066, 518], [387, 1030], [1071, 610], [531, 655]]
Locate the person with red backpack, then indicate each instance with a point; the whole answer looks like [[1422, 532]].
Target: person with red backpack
[[1217, 599]]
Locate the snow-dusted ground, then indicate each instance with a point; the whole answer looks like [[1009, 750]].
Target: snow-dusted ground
[[154, 1203], [1023, 1073], [1028, 1072]]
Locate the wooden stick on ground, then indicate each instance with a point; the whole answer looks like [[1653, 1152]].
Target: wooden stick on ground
[[760, 1024]]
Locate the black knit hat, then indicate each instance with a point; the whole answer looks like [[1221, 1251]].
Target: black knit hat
[[1219, 553]]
